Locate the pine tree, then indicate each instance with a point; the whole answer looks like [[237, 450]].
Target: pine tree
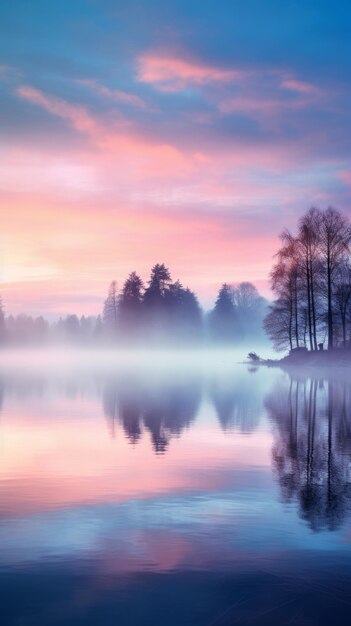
[[110, 312], [223, 316]]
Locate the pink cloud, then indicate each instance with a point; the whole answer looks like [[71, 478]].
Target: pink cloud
[[63, 256], [251, 105], [121, 151], [345, 176], [173, 74], [35, 169], [114, 94], [94, 210], [140, 156], [299, 86], [76, 114], [257, 104], [260, 96]]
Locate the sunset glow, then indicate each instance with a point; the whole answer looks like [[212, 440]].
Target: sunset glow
[[188, 147]]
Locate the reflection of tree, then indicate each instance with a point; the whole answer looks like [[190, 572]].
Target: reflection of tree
[[312, 450], [164, 408], [236, 403]]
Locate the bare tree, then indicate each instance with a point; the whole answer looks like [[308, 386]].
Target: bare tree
[[334, 239], [311, 279], [342, 295], [278, 324], [286, 284], [308, 242]]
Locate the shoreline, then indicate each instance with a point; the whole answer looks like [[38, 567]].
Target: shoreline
[[337, 358]]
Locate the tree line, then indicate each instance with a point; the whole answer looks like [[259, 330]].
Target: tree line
[[166, 311], [23, 329], [311, 280], [160, 311]]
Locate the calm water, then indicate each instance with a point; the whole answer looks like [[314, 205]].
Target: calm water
[[188, 491]]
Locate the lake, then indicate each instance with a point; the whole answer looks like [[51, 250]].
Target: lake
[[172, 489]]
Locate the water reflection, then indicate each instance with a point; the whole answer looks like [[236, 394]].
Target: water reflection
[[208, 484], [237, 401], [163, 407], [312, 448], [162, 404]]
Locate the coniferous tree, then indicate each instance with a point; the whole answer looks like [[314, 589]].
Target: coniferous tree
[[222, 319], [110, 312], [158, 286], [184, 314], [155, 303], [130, 307]]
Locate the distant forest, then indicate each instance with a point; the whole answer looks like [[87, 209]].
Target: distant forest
[[311, 279], [160, 312]]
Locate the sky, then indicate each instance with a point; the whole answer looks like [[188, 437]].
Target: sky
[[189, 133]]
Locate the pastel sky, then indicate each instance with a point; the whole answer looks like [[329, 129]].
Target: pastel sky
[[188, 133]]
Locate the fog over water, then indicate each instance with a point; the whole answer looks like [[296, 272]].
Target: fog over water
[[138, 482]]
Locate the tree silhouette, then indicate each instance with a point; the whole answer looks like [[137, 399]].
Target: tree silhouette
[[308, 243], [342, 297], [130, 308], [158, 285], [250, 308], [222, 319], [278, 324], [165, 313], [310, 281], [162, 409], [154, 303], [237, 405], [110, 312], [184, 313], [335, 236]]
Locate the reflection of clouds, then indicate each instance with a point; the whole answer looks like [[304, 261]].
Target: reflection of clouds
[[312, 450], [145, 534]]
